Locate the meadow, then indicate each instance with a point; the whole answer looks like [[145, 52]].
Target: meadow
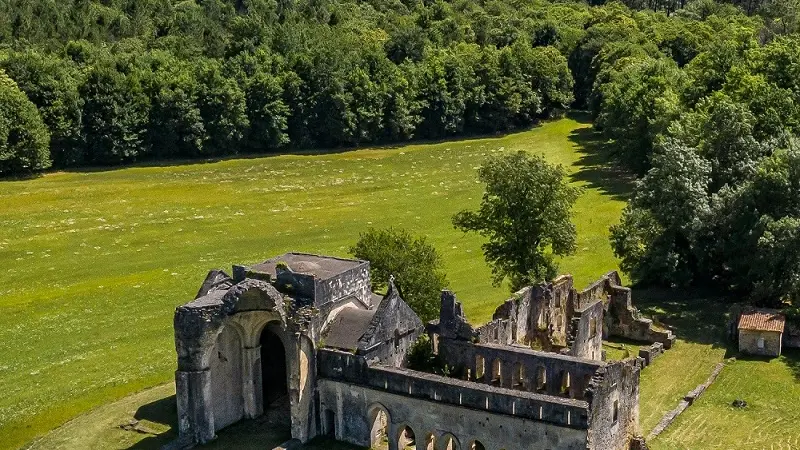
[[96, 261]]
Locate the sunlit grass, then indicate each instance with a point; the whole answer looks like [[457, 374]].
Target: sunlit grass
[[95, 262]]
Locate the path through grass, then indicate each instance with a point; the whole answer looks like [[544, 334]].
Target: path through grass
[[95, 262]]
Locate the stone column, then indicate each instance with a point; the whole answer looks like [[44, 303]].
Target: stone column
[[392, 433], [252, 388], [195, 410]]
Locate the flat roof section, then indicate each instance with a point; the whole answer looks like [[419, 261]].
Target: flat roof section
[[322, 267]]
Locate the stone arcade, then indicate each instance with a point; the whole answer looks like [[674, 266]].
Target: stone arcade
[[305, 336]]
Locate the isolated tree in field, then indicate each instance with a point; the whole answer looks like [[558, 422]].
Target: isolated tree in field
[[24, 138], [525, 213], [414, 263]]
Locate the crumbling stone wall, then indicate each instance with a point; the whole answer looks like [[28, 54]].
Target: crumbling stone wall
[[518, 368], [623, 319], [354, 282], [613, 397], [549, 317], [586, 332]]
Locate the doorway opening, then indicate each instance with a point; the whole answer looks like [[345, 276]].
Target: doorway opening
[[273, 371]]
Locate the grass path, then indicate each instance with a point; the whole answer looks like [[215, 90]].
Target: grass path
[[95, 262]]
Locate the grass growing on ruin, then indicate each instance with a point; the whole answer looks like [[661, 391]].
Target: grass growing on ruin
[[95, 262]]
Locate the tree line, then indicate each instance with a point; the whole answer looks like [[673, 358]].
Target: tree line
[[708, 118], [171, 80], [120, 81]]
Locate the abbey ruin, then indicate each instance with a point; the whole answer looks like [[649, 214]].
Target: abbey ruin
[[306, 335]]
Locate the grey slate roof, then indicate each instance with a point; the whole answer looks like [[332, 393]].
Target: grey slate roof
[[322, 267], [346, 329]]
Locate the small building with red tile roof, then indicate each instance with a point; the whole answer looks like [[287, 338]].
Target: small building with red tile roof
[[761, 332]]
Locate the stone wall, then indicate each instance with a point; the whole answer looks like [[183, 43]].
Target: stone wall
[[518, 368], [226, 378], [393, 330], [355, 282], [623, 319], [748, 342], [351, 369], [613, 396], [352, 407], [651, 352], [586, 332]]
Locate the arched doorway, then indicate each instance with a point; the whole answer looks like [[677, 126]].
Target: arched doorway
[[273, 370]]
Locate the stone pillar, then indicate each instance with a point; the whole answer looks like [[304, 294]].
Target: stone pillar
[[252, 387], [393, 433], [195, 410], [301, 387]]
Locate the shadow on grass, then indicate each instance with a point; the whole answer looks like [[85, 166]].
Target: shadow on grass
[[259, 433], [792, 358], [694, 315], [210, 159], [598, 167], [162, 411]]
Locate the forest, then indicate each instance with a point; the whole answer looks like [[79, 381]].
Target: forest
[[700, 99]]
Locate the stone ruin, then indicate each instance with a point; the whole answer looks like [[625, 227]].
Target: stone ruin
[[555, 317], [303, 336]]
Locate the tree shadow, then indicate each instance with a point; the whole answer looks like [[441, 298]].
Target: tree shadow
[[694, 315], [598, 166], [295, 151], [792, 358]]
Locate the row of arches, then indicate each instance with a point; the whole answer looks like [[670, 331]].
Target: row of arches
[[520, 380], [406, 438]]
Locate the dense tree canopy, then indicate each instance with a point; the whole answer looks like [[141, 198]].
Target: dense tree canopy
[[127, 80]]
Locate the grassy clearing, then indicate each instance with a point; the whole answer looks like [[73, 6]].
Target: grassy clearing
[[99, 260], [95, 262], [771, 419]]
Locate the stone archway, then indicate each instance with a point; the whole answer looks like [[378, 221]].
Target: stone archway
[[273, 369]]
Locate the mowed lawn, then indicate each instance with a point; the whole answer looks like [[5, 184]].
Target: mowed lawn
[[94, 263]]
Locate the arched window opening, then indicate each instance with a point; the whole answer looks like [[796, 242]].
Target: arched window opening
[[587, 379], [430, 442], [396, 339], [565, 383], [541, 379], [593, 327], [447, 442], [497, 366], [615, 414], [476, 445], [519, 376], [379, 418], [406, 440], [480, 367]]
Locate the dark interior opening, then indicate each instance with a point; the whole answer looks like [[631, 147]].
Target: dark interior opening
[[273, 369]]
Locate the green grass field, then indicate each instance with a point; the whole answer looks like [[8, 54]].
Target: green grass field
[[95, 262]]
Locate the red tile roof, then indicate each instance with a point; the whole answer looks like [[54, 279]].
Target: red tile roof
[[762, 320]]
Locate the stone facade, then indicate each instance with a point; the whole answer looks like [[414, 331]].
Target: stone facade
[[303, 335], [764, 343], [555, 317]]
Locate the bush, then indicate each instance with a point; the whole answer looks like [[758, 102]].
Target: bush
[[24, 138]]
